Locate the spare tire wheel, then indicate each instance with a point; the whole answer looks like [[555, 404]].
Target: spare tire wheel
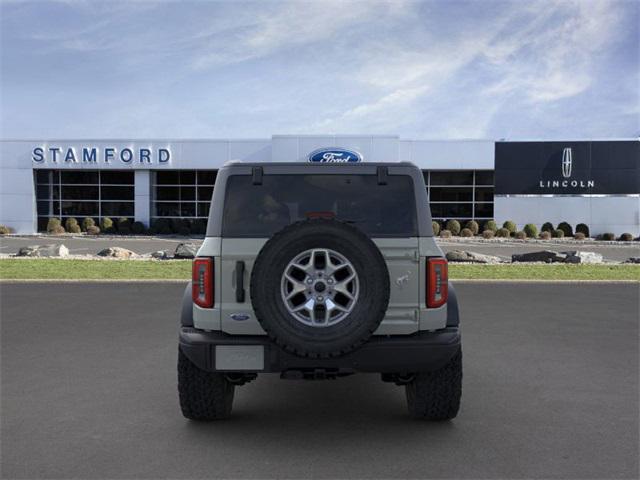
[[320, 288]]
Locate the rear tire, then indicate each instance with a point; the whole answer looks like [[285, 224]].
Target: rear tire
[[436, 395], [203, 395]]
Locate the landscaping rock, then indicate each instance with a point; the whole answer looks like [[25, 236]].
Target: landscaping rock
[[160, 255], [582, 257], [116, 252], [471, 257], [546, 256], [53, 250], [632, 260], [186, 250]]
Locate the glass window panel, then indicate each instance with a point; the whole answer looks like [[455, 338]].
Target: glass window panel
[[451, 210], [168, 178], [452, 177], [187, 193], [42, 176], [79, 209], [43, 208], [484, 194], [187, 177], [56, 192], [207, 177], [80, 192], [117, 177], [484, 210], [203, 209], [42, 191], [484, 177], [116, 193], [117, 209], [205, 193], [425, 175], [167, 209], [187, 209], [168, 193], [56, 208], [449, 194], [79, 177], [42, 224]]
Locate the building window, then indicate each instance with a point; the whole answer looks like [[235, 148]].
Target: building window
[[460, 194], [79, 194], [182, 194]]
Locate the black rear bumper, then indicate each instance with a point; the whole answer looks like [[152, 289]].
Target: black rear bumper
[[423, 351]]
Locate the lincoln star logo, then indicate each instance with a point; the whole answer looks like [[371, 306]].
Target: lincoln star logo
[[334, 155], [567, 160]]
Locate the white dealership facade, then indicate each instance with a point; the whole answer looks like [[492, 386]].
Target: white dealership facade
[[591, 182]]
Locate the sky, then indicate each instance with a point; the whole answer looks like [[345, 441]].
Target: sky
[[229, 69]]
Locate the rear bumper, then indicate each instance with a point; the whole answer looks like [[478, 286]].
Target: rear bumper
[[423, 351]]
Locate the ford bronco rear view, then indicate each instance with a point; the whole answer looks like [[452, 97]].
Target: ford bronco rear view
[[318, 271]]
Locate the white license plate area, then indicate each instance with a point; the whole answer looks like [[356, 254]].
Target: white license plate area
[[240, 357]]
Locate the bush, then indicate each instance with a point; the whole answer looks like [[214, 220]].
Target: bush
[[488, 234], [531, 230], [124, 226], [93, 230], [521, 235], [608, 236], [138, 228], [70, 222], [557, 233], [473, 226], [503, 233], [491, 225], [466, 232], [583, 228], [454, 227], [626, 237], [445, 234], [511, 226], [52, 224], [545, 235], [436, 227], [566, 228], [106, 226], [4, 230], [88, 222], [57, 230], [579, 236], [160, 226], [199, 226], [547, 227], [74, 229]]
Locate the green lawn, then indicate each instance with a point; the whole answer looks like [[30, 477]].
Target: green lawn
[[181, 269]]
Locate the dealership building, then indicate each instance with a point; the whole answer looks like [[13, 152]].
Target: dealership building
[[596, 182]]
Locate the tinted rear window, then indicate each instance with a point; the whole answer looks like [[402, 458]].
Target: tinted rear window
[[262, 210]]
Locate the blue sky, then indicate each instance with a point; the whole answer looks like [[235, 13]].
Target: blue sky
[[423, 70]]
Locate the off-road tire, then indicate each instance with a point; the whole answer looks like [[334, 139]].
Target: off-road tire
[[436, 395], [203, 395], [362, 321]]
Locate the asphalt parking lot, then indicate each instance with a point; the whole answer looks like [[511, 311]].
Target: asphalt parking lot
[[89, 391]]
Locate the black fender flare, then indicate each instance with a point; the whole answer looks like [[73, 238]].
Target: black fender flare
[[453, 313], [186, 314]]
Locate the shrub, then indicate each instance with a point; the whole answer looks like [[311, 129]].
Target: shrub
[[547, 227], [93, 230], [138, 228], [161, 226], [124, 226], [491, 225], [74, 228], [545, 235], [52, 224], [626, 237], [511, 226], [488, 234], [557, 233], [4, 230], [453, 226], [57, 230], [473, 226], [199, 226], [608, 236], [579, 236], [436, 227], [583, 228], [466, 232], [521, 235], [503, 233], [566, 228], [69, 222], [531, 230], [106, 226], [445, 234], [88, 222]]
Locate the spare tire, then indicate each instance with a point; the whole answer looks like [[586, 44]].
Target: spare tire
[[320, 288]]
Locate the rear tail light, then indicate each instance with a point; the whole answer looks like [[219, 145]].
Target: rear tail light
[[202, 282], [437, 282]]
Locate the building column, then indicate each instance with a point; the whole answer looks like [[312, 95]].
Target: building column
[[142, 196]]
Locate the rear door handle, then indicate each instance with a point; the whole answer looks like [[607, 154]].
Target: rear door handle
[[240, 281]]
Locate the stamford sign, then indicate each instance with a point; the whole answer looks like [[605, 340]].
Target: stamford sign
[[94, 155], [334, 155]]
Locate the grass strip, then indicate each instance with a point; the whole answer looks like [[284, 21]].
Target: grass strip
[[52, 269]]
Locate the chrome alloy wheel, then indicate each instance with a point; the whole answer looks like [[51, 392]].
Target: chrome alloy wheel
[[319, 287]]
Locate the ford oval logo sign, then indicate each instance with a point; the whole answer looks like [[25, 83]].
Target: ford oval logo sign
[[334, 155]]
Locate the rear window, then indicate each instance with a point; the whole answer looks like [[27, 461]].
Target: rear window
[[262, 210]]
